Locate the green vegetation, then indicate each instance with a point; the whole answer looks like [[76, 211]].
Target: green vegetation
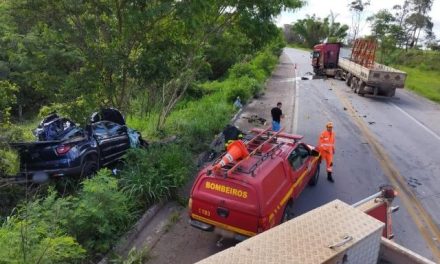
[[426, 83], [82, 227], [313, 30]]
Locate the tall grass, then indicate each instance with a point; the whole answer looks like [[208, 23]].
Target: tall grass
[[423, 82], [156, 173]]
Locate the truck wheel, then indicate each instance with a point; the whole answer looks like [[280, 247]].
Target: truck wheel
[[348, 79], [361, 87], [288, 212], [391, 92], [90, 167], [314, 180], [354, 84]]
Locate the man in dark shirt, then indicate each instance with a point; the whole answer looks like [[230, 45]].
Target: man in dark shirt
[[277, 114]]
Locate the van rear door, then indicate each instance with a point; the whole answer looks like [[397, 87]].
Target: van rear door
[[225, 203]]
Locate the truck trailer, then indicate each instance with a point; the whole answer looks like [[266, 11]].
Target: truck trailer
[[359, 70]]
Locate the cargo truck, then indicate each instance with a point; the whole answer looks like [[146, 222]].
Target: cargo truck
[[359, 70]]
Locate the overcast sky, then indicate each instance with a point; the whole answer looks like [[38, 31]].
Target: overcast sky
[[340, 7]]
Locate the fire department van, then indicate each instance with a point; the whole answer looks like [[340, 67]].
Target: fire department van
[[252, 187]]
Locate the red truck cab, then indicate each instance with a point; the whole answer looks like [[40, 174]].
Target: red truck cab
[[325, 57], [250, 196]]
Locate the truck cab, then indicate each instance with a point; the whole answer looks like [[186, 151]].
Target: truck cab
[[257, 193], [325, 58]]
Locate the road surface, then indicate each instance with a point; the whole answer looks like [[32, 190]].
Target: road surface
[[376, 140]]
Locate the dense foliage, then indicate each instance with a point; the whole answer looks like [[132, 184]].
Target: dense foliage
[[77, 56], [82, 227], [313, 30]]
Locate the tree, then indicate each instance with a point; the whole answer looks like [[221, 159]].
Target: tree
[[386, 29], [87, 54], [357, 8], [314, 30]]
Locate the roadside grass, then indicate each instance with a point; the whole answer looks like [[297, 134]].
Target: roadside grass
[[423, 82], [138, 256]]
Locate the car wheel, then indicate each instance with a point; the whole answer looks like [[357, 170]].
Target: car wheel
[[314, 180], [90, 167], [288, 212]]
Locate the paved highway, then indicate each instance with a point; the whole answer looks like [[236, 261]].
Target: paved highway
[[379, 141]]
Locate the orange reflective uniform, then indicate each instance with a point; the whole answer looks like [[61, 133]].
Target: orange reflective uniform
[[326, 147]]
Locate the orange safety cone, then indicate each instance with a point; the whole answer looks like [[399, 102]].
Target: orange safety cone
[[236, 150]]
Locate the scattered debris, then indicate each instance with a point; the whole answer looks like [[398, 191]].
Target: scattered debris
[[413, 182], [255, 119]]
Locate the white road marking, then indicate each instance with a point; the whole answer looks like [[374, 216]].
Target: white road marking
[[416, 121], [294, 79], [295, 111]]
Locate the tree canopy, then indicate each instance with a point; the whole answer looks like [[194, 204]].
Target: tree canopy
[[313, 30], [80, 55]]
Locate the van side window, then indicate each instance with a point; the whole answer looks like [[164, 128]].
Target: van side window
[[303, 153], [295, 159], [298, 157]]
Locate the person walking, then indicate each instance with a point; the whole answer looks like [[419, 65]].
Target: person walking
[[277, 115], [326, 147]]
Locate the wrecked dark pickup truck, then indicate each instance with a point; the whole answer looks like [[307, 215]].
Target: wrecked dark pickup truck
[[65, 149]]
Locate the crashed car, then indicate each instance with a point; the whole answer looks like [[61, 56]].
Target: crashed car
[[66, 149]]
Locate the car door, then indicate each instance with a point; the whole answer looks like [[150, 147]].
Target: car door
[[118, 141], [299, 160], [101, 135]]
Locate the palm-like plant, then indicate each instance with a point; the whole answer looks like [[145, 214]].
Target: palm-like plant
[[313, 30]]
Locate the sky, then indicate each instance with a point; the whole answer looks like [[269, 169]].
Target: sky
[[322, 8]]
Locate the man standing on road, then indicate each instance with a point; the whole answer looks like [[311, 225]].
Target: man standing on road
[[326, 147], [277, 114]]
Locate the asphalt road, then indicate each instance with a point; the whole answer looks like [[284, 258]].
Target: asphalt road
[[377, 142], [406, 128]]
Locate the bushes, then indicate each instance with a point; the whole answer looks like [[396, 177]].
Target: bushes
[[37, 234], [63, 230], [156, 173], [36, 242], [101, 212]]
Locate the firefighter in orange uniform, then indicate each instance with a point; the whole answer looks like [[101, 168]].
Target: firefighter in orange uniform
[[326, 147]]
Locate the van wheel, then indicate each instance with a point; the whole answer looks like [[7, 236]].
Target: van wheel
[[90, 167], [288, 212], [314, 180]]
